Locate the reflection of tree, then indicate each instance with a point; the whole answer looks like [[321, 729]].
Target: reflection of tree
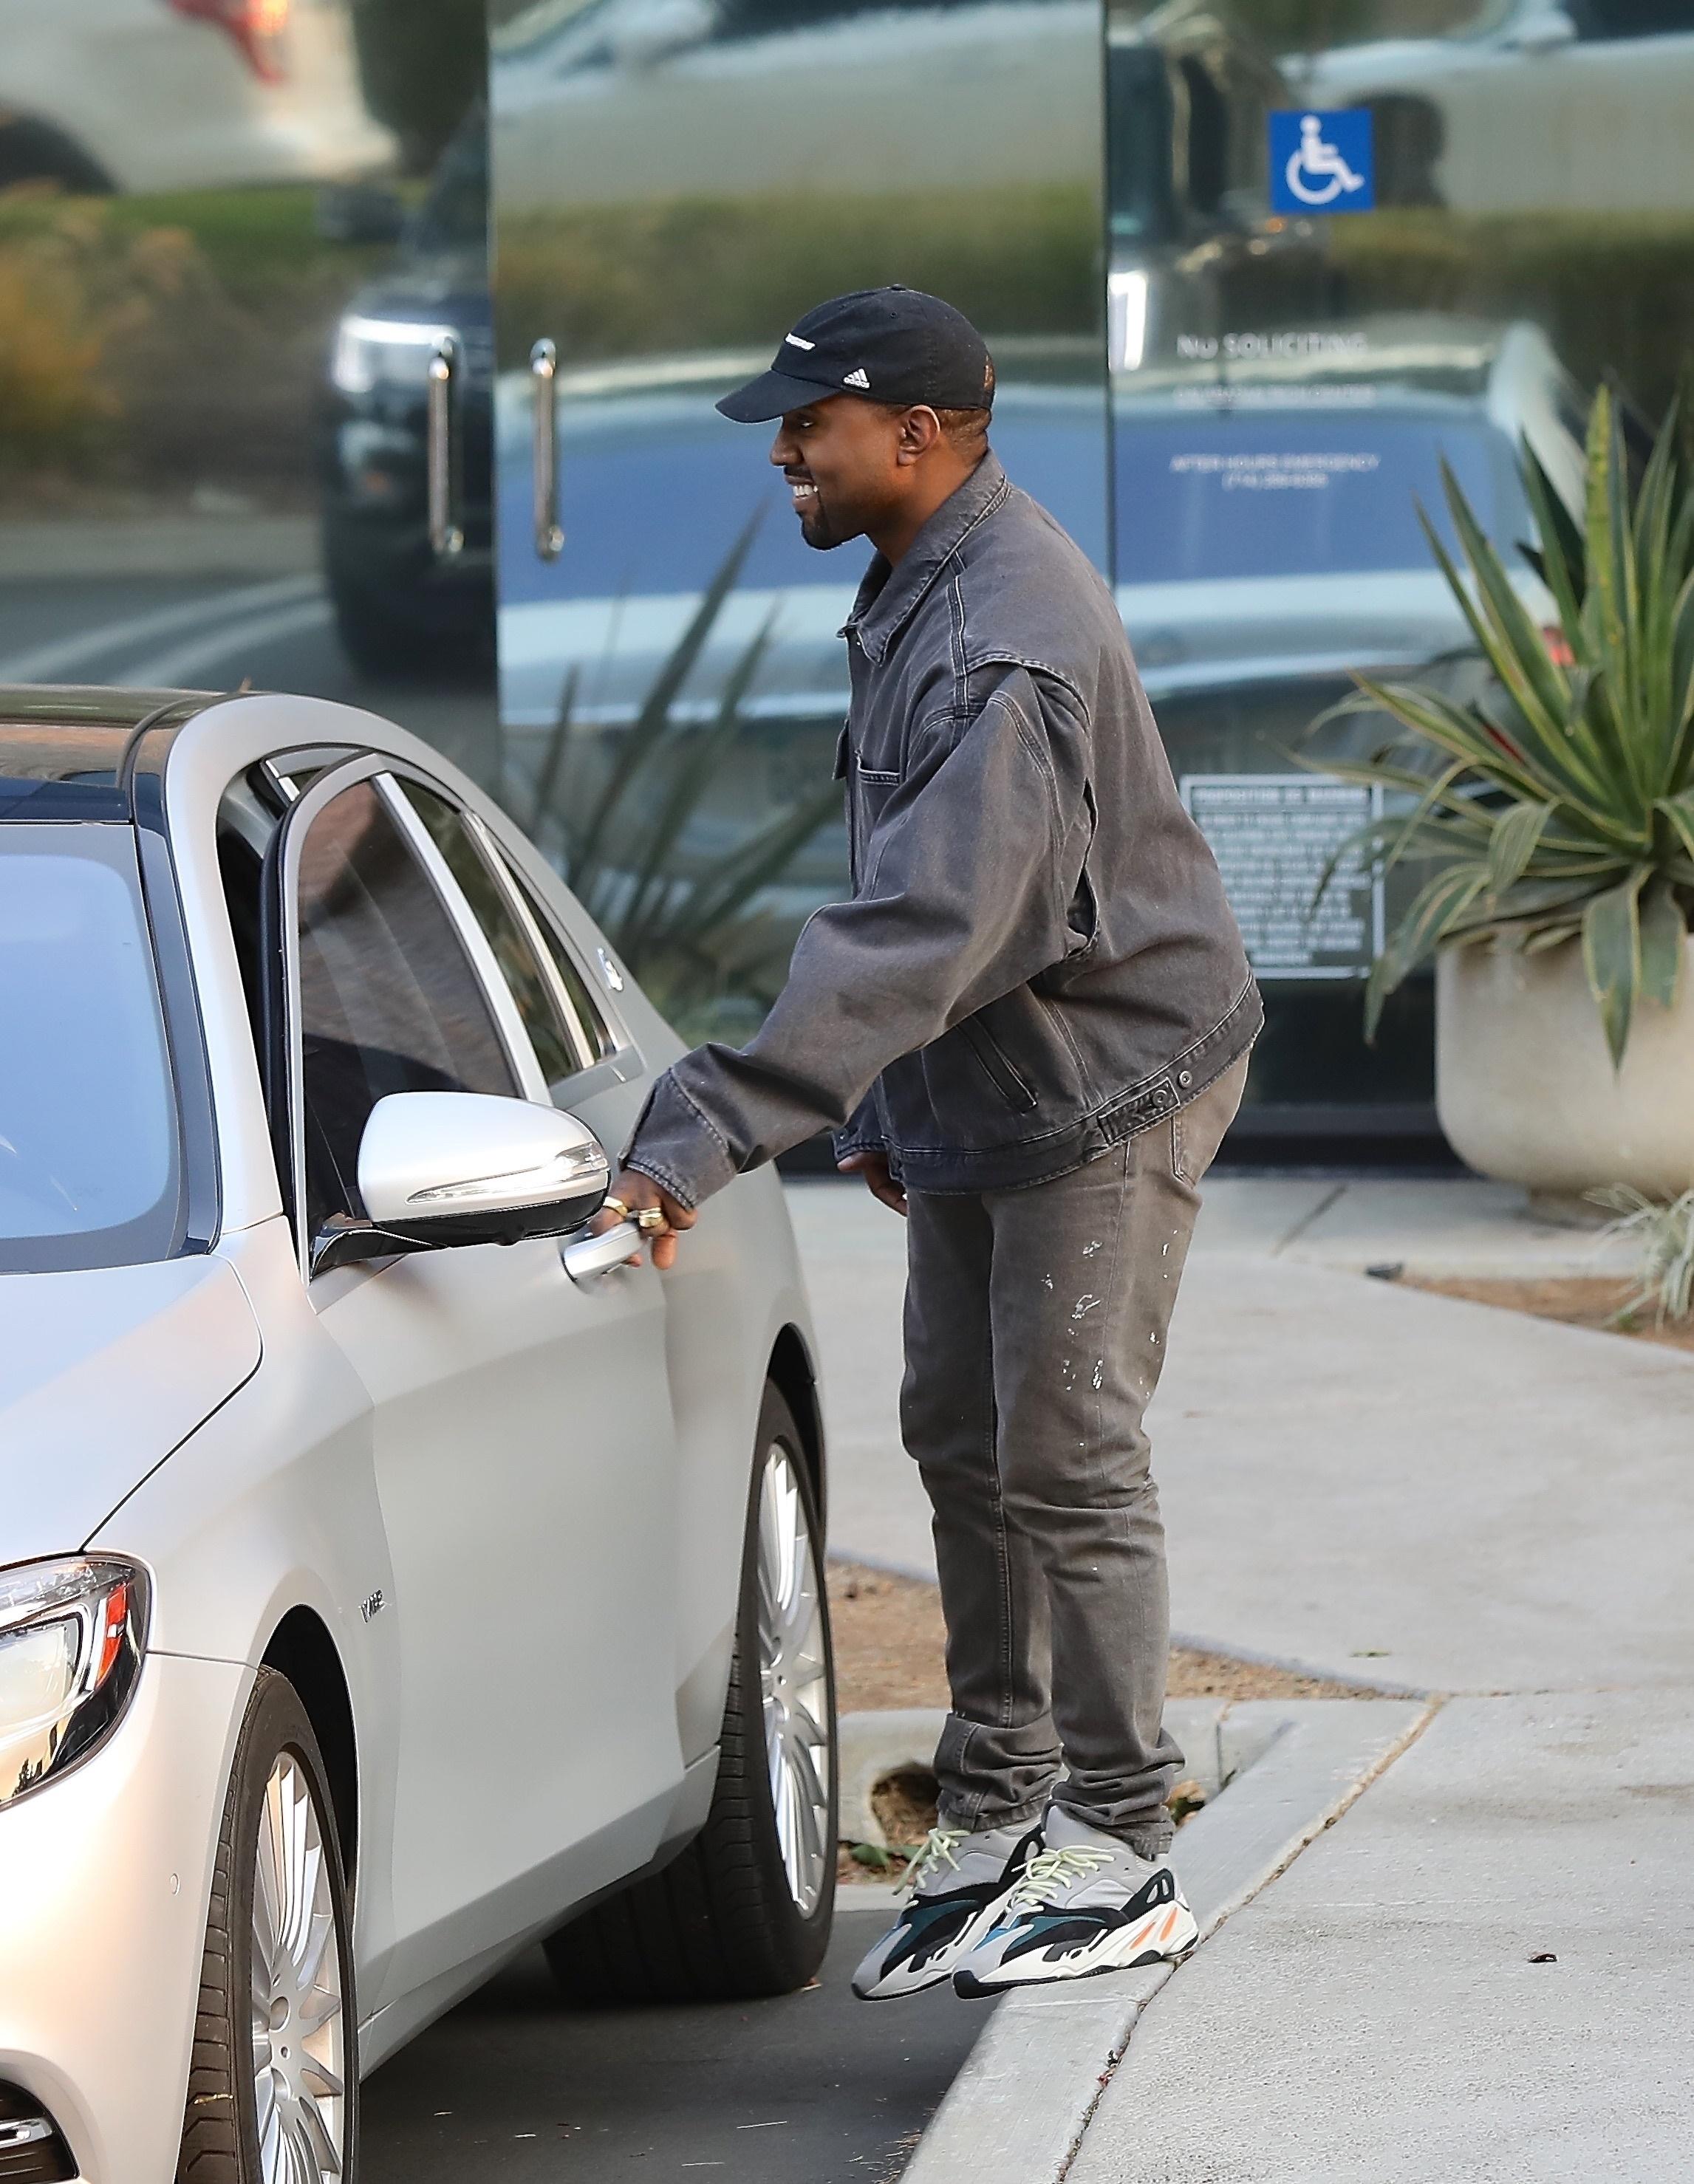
[[422, 62], [687, 924]]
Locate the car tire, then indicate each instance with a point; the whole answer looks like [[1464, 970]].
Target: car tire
[[746, 1907], [279, 1821]]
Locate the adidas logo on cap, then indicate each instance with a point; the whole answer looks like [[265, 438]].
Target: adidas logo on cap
[[856, 378]]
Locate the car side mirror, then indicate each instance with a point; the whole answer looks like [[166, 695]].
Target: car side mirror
[[440, 1169]]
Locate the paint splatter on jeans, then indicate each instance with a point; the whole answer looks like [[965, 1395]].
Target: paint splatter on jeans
[[1035, 1326]]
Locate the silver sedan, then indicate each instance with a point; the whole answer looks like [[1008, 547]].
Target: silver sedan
[[391, 1573]]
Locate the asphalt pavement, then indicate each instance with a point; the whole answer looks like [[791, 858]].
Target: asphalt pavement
[[809, 2088]]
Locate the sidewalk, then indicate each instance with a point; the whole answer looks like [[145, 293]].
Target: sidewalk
[[1453, 1498], [1385, 1486]]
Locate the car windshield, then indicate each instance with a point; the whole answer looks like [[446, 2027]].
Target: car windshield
[[89, 1161], [1278, 493]]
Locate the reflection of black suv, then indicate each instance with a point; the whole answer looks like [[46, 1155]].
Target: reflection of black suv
[[397, 601]]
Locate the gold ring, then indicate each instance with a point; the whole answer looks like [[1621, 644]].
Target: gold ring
[[651, 1221], [610, 1204]]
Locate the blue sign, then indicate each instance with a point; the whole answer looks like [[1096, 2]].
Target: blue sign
[[1323, 162]]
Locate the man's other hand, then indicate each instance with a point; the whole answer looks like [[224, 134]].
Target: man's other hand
[[637, 1192], [877, 1177]]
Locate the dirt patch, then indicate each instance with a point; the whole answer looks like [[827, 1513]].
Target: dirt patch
[[890, 1651], [1592, 1301]]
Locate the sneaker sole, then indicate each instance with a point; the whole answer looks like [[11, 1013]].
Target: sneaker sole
[[1172, 1945], [943, 1968]]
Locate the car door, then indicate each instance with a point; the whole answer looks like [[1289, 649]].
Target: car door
[[524, 1446]]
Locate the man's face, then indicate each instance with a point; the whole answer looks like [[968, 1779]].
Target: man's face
[[840, 456]]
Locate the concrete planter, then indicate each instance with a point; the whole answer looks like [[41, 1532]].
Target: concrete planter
[[1524, 1086]]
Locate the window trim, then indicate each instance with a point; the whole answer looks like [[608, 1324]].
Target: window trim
[[283, 1057]]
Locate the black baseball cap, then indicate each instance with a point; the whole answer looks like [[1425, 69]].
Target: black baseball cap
[[895, 345]]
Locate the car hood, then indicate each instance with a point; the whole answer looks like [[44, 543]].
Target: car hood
[[102, 1375]]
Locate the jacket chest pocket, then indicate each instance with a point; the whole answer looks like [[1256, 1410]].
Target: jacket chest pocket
[[868, 791]]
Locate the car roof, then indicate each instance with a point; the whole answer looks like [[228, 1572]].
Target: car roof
[[69, 752]]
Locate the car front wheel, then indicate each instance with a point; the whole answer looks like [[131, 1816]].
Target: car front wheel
[[273, 2088], [746, 1909]]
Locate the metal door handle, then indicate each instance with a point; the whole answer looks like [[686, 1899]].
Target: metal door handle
[[586, 1256], [445, 536], [543, 373]]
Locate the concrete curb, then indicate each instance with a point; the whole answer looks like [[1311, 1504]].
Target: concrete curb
[[1017, 2112]]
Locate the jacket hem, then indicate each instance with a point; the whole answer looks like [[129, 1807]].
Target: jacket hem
[[953, 1171]]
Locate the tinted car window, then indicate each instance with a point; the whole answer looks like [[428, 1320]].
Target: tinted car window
[[89, 1159], [588, 1015], [389, 999], [554, 1048]]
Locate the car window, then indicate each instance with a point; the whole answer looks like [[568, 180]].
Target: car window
[[602, 1041], [389, 1001], [89, 1157], [561, 1053]]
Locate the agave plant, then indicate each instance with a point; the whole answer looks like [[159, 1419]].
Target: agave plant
[[1558, 806], [1663, 1237], [689, 928]]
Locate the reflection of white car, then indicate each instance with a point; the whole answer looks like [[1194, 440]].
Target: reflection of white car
[[632, 100], [1536, 107], [182, 94], [369, 1532]]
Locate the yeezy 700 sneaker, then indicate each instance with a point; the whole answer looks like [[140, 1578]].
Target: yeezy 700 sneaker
[[1085, 1903], [957, 1881]]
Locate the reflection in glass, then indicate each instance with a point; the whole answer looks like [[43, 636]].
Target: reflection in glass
[[193, 193], [1285, 391], [674, 186]]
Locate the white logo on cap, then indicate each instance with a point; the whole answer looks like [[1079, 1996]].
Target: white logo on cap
[[856, 378], [794, 341]]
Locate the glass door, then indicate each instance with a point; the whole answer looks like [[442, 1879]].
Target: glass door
[[673, 186], [234, 235], [1350, 245]]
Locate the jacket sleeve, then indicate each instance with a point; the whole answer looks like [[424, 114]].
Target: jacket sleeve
[[967, 875]]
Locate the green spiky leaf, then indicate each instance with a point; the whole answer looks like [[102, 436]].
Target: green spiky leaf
[[1612, 957]]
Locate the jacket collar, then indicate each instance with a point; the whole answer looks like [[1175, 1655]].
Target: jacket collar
[[888, 596]]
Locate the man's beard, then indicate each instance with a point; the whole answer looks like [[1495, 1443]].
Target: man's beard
[[819, 532]]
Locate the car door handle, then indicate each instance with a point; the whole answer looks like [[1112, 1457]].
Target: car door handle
[[587, 1256], [446, 537], [543, 374]]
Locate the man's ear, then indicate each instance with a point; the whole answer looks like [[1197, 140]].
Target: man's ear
[[920, 430]]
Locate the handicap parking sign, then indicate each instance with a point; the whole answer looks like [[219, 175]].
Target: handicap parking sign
[[1323, 162]]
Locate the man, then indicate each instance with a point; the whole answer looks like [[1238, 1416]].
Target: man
[[1030, 1028]]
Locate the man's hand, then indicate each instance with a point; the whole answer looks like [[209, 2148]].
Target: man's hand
[[877, 1176], [637, 1192]]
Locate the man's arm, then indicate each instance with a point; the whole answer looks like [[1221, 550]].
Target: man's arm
[[967, 877]]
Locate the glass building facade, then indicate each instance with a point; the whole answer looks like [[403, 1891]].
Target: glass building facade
[[397, 383]]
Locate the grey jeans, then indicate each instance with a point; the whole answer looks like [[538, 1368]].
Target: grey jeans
[[1035, 1325]]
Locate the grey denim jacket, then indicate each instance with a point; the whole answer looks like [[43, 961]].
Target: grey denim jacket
[[1039, 959]]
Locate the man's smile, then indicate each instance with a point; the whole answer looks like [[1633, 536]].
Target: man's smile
[[805, 491]]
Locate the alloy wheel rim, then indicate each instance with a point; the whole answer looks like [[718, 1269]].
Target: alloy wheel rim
[[299, 2029], [793, 1680]]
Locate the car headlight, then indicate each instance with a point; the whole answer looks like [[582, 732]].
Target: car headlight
[[72, 1634], [371, 352]]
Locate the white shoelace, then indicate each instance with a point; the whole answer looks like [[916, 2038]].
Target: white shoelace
[[937, 1849], [1051, 1870]]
